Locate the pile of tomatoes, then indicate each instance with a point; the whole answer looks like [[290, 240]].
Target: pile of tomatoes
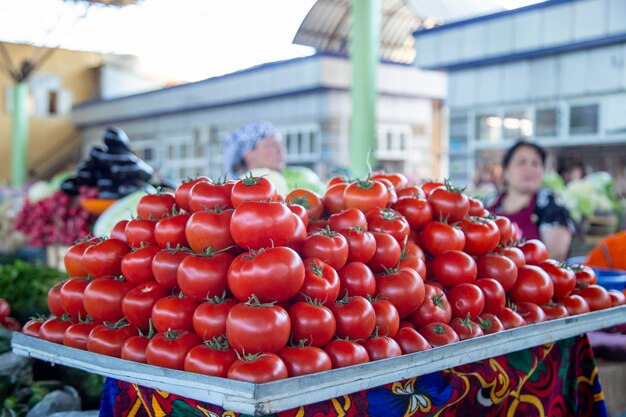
[[230, 279]]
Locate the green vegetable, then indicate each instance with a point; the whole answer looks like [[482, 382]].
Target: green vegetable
[[26, 286], [303, 177]]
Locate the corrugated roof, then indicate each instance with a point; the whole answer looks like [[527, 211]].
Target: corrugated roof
[[327, 25]]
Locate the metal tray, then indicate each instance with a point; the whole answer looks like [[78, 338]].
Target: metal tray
[[271, 397]]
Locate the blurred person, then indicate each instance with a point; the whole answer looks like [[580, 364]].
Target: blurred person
[[256, 148], [536, 210]]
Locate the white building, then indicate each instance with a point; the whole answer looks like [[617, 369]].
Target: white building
[[179, 130], [553, 72]]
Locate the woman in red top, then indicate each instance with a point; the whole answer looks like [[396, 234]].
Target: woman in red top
[[537, 212]]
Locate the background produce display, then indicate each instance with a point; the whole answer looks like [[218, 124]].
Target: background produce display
[[232, 280]]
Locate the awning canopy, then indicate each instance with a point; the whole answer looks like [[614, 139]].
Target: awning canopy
[[327, 25]]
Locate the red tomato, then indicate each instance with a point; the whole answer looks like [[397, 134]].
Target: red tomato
[[253, 327], [490, 323], [477, 208], [510, 319], [173, 312], [53, 329], [71, 294], [356, 278], [531, 312], [449, 204], [107, 339], [165, 266], [585, 275], [140, 232], [453, 267], [309, 200], [303, 360], [347, 219], [596, 296], [554, 310], [438, 237], [495, 297], [513, 253], [258, 368], [54, 299], [204, 276], [299, 236], [273, 274], [404, 288], [533, 285], [562, 276], [327, 245], [169, 349], [387, 253], [499, 267], [618, 298], [575, 304], [255, 225], [416, 210], [207, 196], [506, 229], [155, 206], [169, 232], [119, 231], [413, 261], [535, 251], [429, 186], [366, 195], [214, 358], [209, 229], [103, 298], [181, 195], [466, 328], [434, 309], [438, 334], [32, 326], [481, 235], [209, 318], [137, 265], [134, 349], [312, 322], [355, 317], [398, 180], [252, 188], [361, 244], [77, 334], [466, 299], [105, 258], [388, 221], [387, 317], [344, 353], [321, 282], [299, 211], [381, 347], [138, 302], [11, 323], [73, 259], [333, 198], [411, 341]]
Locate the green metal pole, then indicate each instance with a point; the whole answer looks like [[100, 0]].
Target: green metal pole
[[365, 51], [19, 134]]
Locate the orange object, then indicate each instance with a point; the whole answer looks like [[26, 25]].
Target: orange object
[[96, 205], [610, 252]]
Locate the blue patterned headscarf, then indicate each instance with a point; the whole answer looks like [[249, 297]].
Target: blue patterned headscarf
[[238, 143]]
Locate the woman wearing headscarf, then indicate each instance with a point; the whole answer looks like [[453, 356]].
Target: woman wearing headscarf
[[256, 148]]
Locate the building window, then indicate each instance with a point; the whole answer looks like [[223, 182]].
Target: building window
[[488, 127], [517, 125], [583, 119], [546, 122], [303, 143]]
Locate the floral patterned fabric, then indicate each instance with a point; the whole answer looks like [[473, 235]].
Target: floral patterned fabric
[[556, 379]]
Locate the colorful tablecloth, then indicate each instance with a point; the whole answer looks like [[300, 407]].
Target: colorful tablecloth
[[556, 379]]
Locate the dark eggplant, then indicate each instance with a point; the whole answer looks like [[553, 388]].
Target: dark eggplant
[[127, 158], [109, 195], [116, 139], [70, 186], [140, 171]]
